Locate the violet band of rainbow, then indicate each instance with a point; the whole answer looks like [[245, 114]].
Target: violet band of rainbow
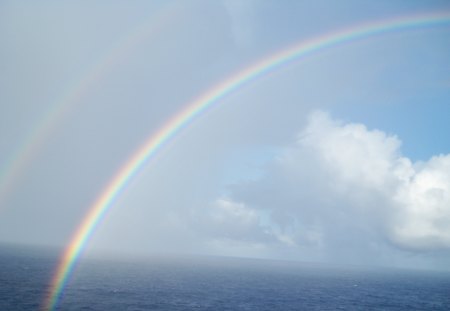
[[198, 106]]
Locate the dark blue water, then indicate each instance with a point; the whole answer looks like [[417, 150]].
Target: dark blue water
[[218, 284]]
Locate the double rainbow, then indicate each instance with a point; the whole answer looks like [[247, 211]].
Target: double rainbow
[[197, 107]]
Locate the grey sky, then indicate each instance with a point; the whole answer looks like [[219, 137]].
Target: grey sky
[[219, 187]]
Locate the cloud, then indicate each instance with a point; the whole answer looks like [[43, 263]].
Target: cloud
[[231, 226], [366, 171], [341, 190], [423, 206]]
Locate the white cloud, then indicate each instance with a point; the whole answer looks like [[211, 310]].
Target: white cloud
[[367, 171], [342, 190], [423, 207]]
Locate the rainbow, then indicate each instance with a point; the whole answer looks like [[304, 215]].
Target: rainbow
[[56, 113], [197, 107]]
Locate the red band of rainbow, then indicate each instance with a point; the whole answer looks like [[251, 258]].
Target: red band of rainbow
[[195, 108]]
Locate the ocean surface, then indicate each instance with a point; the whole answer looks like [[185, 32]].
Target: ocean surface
[[207, 283]]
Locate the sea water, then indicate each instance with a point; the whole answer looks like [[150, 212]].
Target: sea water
[[207, 283]]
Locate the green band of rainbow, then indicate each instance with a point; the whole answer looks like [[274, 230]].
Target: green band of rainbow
[[198, 106]]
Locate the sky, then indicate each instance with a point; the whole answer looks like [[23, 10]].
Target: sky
[[342, 156]]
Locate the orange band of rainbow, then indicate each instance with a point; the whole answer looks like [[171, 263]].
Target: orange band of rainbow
[[139, 159]]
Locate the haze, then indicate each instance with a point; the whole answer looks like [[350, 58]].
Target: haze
[[341, 157]]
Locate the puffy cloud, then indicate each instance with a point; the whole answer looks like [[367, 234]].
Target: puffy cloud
[[422, 205], [410, 201], [342, 190]]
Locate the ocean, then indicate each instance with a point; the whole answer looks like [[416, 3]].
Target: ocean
[[209, 283]]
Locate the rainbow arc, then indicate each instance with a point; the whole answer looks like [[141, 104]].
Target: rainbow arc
[[197, 107]]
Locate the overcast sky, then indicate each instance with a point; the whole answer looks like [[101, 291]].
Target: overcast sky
[[343, 156]]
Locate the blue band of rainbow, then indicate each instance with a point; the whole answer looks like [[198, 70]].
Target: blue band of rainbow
[[198, 106]]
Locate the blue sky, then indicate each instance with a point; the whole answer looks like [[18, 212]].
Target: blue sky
[[368, 115]]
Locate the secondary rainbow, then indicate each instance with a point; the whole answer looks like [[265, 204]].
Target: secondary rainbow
[[17, 163], [198, 106]]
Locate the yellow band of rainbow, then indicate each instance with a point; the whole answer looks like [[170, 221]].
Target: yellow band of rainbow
[[154, 143]]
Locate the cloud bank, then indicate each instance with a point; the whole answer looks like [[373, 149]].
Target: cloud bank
[[340, 190]]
